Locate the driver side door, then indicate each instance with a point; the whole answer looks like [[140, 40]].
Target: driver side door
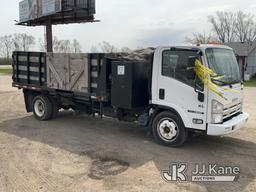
[[177, 91]]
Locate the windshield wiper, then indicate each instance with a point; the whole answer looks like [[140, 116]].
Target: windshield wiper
[[222, 82], [237, 81]]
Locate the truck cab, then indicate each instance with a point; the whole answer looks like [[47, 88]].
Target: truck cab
[[184, 103]]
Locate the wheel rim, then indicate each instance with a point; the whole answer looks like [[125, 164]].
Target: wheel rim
[[39, 108], [167, 129]]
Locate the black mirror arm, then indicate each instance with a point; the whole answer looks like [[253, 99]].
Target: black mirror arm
[[201, 96]]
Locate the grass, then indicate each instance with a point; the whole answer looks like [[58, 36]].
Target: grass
[[251, 83], [6, 71]]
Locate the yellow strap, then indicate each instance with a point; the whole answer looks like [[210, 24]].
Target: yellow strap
[[205, 74]]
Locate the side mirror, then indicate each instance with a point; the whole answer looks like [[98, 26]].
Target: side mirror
[[191, 75]]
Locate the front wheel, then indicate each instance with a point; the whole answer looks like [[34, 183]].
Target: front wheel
[[42, 108], [169, 130]]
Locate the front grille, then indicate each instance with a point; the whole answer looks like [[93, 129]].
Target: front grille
[[232, 110]]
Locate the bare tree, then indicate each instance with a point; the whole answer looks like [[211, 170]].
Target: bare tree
[[42, 44], [6, 43], [23, 42], [126, 50], [230, 26], [76, 47], [63, 46], [94, 49], [224, 26], [202, 38], [252, 34], [55, 44], [107, 47], [245, 27]]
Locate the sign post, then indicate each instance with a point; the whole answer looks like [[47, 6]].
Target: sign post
[[49, 43]]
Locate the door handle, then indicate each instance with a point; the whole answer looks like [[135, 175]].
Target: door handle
[[162, 94]]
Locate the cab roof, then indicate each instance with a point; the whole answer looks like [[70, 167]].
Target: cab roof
[[202, 47]]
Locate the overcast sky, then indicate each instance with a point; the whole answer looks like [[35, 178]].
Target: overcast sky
[[133, 23]]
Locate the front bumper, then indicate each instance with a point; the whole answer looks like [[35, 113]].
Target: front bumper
[[228, 127]]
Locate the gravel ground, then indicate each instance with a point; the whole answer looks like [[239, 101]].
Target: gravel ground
[[81, 153]]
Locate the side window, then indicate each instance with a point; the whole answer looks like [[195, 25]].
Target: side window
[[170, 63], [175, 64]]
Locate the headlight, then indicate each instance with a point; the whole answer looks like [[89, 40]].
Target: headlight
[[217, 107], [217, 118], [217, 112]]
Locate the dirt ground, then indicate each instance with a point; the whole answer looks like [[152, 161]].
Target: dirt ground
[[81, 153]]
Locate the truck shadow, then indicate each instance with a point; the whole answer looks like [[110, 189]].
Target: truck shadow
[[128, 144]]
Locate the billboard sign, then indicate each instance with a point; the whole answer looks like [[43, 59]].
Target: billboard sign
[[35, 9], [28, 10], [49, 7]]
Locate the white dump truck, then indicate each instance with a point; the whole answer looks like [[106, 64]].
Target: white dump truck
[[156, 88]]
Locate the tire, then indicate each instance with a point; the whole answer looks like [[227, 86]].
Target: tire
[[169, 130], [42, 108], [55, 107]]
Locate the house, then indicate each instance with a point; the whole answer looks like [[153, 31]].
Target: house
[[246, 57]]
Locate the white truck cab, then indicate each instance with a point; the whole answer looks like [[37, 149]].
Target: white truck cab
[[198, 107]]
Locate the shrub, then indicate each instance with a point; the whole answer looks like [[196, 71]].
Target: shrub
[[5, 61]]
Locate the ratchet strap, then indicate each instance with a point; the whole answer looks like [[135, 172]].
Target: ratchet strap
[[205, 75]]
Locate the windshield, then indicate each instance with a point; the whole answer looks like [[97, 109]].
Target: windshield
[[223, 62]]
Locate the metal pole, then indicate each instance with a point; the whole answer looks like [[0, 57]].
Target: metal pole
[[49, 36]]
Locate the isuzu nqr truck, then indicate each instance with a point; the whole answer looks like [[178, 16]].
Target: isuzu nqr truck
[[157, 88]]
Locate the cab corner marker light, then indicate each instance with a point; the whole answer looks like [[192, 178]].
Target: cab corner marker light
[[215, 43]]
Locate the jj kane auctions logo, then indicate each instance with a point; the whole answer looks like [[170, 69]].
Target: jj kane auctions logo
[[201, 173]]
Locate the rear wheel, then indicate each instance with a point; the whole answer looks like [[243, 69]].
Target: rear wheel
[[42, 107], [55, 107], [168, 129]]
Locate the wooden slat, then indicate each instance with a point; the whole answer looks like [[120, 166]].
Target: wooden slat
[[55, 73], [72, 69]]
